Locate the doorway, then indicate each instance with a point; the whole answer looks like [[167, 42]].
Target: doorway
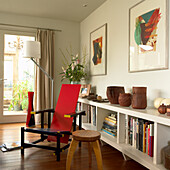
[[16, 76]]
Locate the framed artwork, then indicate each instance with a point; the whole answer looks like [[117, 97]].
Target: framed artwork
[[85, 90], [98, 51], [148, 36]]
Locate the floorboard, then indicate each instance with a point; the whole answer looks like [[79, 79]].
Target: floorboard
[[40, 159]]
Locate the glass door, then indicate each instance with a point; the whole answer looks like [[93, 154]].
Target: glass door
[[16, 76]]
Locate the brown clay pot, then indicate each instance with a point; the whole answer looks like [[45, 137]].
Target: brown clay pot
[[113, 93], [139, 98], [139, 90], [124, 99], [162, 109]]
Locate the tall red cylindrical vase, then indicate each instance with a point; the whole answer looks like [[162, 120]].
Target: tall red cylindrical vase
[[30, 117]]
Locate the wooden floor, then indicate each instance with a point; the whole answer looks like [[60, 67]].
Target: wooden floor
[[39, 159]]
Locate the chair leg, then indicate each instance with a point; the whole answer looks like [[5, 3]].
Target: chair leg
[[80, 126], [97, 152], [58, 148], [70, 154], [90, 153], [22, 140]]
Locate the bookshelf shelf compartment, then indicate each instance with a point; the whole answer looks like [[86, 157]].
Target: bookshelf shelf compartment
[[120, 142]]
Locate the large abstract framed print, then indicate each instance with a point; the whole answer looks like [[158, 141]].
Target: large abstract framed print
[[98, 51], [148, 36]]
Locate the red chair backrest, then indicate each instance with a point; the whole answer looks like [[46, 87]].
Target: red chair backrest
[[67, 102]]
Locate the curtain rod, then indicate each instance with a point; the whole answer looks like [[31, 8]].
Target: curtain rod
[[29, 27]]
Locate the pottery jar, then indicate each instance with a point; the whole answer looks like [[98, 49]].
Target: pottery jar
[[113, 93], [124, 99], [139, 98]]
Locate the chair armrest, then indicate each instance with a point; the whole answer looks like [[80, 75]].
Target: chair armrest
[[42, 111], [74, 114], [65, 132]]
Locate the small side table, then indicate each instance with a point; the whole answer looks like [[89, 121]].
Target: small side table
[[90, 136]]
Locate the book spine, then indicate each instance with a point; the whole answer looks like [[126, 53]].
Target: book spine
[[137, 134], [151, 140], [144, 138], [94, 115], [108, 132], [91, 114], [88, 113], [148, 138], [79, 109], [133, 136], [141, 135], [126, 129], [110, 123], [110, 120]]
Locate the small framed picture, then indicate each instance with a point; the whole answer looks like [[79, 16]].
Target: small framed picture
[[85, 90]]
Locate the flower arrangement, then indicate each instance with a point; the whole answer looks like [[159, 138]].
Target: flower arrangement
[[74, 71]]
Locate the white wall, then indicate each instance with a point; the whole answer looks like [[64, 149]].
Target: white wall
[[70, 35], [116, 15]]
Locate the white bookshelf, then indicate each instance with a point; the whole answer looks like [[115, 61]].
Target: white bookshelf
[[161, 130]]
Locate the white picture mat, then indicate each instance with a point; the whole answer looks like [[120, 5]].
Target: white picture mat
[[99, 69], [152, 60]]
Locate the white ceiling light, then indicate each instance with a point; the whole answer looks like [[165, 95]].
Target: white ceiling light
[[85, 5]]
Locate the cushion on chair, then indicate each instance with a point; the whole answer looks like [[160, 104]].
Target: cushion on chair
[[66, 104]]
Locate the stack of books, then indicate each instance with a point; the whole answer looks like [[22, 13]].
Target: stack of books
[[141, 135], [110, 124]]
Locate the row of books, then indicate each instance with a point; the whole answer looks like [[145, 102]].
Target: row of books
[[110, 124], [90, 114], [141, 135]]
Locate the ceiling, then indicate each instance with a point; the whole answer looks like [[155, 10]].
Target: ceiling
[[71, 10]]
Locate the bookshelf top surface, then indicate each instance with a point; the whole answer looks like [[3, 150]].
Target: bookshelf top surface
[[148, 113]]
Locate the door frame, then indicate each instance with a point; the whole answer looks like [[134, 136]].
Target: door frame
[[16, 118]]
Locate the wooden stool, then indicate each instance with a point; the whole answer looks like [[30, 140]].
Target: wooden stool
[[90, 136]]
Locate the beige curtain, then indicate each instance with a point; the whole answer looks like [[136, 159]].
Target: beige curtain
[[42, 82]]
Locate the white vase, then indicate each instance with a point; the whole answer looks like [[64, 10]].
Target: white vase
[[75, 82]]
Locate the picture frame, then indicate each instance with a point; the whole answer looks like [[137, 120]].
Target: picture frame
[[148, 36], [84, 90], [98, 51]]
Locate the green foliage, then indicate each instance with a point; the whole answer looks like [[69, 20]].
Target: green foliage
[[74, 71], [20, 95]]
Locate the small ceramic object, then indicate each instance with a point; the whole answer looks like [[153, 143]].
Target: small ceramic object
[[139, 98], [113, 93], [157, 102], [168, 110], [165, 101], [162, 109], [99, 98], [125, 99]]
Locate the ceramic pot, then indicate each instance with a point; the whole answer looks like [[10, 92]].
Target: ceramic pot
[[139, 98], [124, 99], [162, 109], [113, 93]]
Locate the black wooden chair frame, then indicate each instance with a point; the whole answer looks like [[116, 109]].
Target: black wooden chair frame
[[45, 132]]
